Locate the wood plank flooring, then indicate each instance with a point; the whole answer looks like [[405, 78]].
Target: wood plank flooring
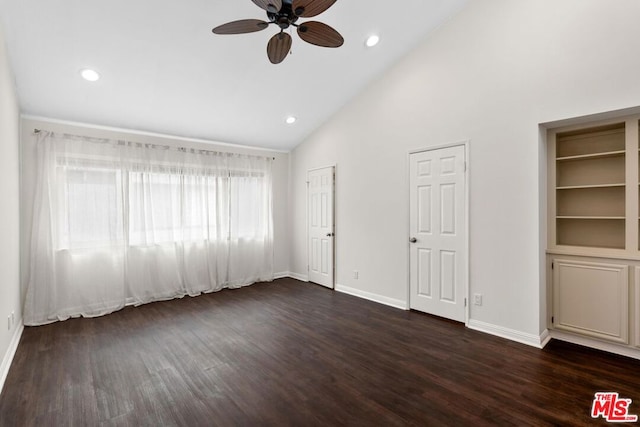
[[294, 354]]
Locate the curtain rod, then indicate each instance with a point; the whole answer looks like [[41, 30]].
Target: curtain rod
[[37, 131]]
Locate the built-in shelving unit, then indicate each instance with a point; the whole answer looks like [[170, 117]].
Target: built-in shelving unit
[[590, 187], [594, 233]]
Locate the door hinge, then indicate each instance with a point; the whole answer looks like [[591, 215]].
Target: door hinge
[[552, 266], [552, 319], [465, 166], [465, 302]]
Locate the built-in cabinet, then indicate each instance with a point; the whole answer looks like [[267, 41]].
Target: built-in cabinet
[[593, 228], [591, 298]]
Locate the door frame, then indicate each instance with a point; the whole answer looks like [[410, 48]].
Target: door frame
[[465, 144], [333, 252]]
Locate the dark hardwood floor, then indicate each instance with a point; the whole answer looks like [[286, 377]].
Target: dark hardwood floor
[[288, 353]]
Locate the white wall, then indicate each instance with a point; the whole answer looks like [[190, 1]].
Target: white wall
[[280, 178], [9, 211], [490, 75]]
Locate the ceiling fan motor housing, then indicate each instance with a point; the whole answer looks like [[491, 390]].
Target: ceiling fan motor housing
[[285, 16]]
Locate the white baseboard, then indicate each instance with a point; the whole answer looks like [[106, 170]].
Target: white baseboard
[[281, 275], [395, 303], [291, 274], [597, 344], [297, 276], [538, 341], [545, 337], [11, 352]]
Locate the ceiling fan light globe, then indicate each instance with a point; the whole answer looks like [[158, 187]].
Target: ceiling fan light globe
[[283, 22]]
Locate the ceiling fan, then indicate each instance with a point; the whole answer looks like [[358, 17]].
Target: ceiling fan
[[285, 14]]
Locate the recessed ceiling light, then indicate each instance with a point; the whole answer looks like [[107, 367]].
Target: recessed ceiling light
[[291, 120], [372, 40], [90, 75]]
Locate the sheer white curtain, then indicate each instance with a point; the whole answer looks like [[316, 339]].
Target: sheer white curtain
[[119, 223]]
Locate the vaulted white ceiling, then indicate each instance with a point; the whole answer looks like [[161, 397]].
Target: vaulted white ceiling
[[164, 71]]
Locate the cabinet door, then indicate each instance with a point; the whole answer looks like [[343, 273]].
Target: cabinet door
[[591, 299], [637, 306]]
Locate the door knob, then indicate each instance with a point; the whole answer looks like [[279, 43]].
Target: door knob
[[413, 240], [329, 234]]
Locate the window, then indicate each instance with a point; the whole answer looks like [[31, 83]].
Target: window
[[158, 207], [120, 223], [90, 201]]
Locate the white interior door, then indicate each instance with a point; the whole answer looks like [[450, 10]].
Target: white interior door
[[321, 227], [438, 239]]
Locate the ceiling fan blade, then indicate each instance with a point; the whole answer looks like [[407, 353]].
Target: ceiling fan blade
[[241, 27], [273, 6], [309, 8], [279, 47], [320, 34]]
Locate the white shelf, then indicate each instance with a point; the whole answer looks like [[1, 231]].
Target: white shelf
[[592, 156], [576, 187], [590, 217], [587, 251]]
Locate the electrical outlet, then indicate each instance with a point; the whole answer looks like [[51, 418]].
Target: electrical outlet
[[477, 299], [355, 274]]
